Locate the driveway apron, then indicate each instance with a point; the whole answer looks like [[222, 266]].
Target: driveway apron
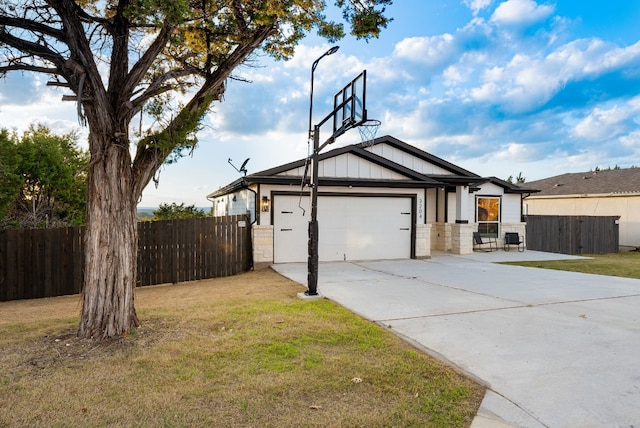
[[555, 349]]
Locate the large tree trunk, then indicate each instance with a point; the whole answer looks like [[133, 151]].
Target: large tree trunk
[[111, 243]]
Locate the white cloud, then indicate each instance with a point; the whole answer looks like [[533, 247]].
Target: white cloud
[[518, 152], [433, 51], [487, 92], [604, 124], [632, 142], [529, 80], [477, 5], [454, 75], [521, 13]]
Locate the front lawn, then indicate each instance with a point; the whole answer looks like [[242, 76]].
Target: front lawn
[[242, 351], [625, 264]]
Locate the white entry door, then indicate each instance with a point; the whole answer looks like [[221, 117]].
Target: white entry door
[[350, 228]]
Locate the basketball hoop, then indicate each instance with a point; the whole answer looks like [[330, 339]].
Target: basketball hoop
[[368, 130]]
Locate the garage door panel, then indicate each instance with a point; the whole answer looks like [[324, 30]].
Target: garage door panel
[[350, 228], [378, 229], [362, 228]]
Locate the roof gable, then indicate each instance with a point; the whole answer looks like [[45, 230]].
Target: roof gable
[[387, 162], [412, 157], [347, 162], [349, 165], [615, 181]]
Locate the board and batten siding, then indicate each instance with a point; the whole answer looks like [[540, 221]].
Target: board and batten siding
[[348, 166], [407, 160]]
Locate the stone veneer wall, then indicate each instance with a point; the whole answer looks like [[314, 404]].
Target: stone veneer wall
[[520, 228], [441, 236], [462, 238], [423, 241], [262, 246]]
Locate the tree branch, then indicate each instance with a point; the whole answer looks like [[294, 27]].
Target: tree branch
[[140, 68], [31, 48], [150, 155], [29, 25], [158, 87], [28, 67]]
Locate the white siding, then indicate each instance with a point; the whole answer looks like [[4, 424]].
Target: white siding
[[511, 206], [348, 166], [295, 172], [405, 159], [239, 203]]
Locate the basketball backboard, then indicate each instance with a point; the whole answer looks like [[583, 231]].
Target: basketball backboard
[[349, 105]]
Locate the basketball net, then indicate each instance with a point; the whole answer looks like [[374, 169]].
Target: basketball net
[[368, 131]]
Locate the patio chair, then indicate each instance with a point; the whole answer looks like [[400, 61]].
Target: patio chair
[[512, 238], [479, 243]]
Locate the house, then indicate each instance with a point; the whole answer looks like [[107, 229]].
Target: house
[[382, 200], [614, 192]]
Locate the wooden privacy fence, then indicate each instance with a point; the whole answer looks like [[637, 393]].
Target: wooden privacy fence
[[573, 234], [38, 263], [187, 250]]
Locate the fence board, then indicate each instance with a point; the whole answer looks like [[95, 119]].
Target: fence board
[[50, 262], [573, 234]]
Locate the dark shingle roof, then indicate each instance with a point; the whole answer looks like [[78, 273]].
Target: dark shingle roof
[[590, 183]]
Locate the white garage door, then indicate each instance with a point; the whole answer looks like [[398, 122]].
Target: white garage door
[[351, 228]]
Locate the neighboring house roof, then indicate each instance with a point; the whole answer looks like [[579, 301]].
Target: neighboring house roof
[[447, 174], [614, 181]]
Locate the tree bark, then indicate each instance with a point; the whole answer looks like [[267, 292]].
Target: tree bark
[[111, 243]]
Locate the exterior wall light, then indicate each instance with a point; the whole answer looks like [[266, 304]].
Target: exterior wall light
[[264, 204]]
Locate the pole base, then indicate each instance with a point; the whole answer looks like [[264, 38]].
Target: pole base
[[307, 296]]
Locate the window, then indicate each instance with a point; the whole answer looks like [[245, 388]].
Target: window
[[488, 215]]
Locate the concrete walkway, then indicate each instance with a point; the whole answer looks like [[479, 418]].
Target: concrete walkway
[[555, 349]]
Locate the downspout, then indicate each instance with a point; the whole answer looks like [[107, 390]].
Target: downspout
[[522, 198], [255, 218]]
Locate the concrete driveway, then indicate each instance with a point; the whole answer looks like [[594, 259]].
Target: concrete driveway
[[555, 349]]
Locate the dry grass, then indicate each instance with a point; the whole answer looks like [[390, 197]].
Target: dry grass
[[242, 351]]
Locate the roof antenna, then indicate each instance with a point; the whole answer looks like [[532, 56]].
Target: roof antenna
[[243, 168]]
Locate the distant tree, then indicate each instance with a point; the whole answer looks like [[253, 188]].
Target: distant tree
[[49, 173], [174, 211], [519, 179], [169, 59], [9, 175]]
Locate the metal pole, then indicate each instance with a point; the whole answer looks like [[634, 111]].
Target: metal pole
[[312, 261]]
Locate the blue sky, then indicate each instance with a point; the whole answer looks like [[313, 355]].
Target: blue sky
[[497, 87]]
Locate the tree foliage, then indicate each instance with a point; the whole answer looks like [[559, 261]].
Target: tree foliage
[[46, 179], [9, 174], [173, 211], [519, 179], [165, 62]]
